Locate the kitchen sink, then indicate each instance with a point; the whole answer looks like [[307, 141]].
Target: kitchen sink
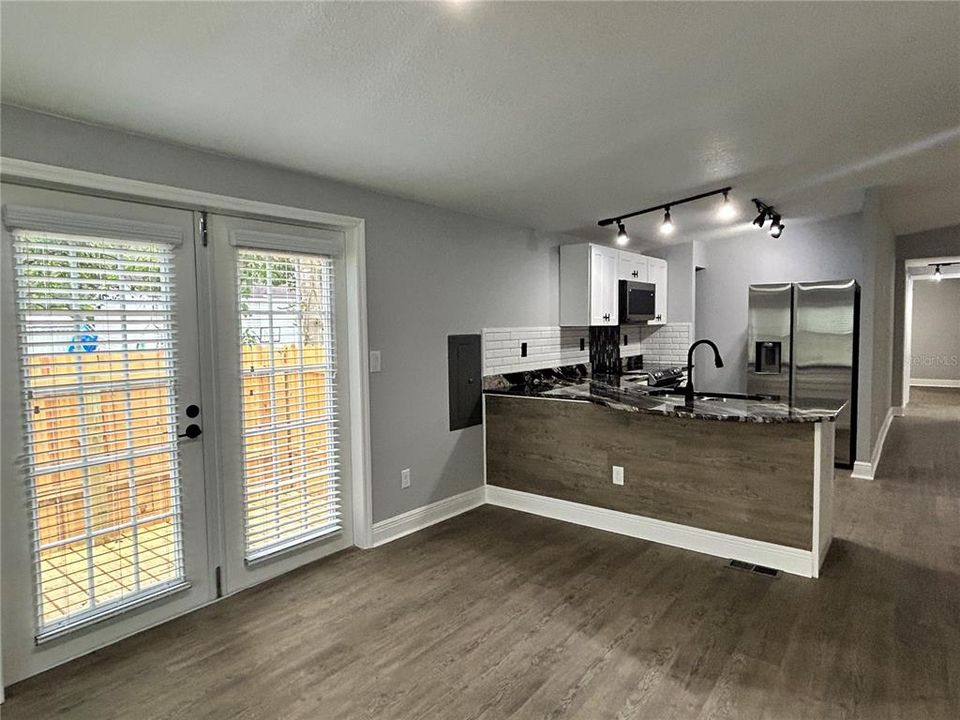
[[713, 396], [736, 396]]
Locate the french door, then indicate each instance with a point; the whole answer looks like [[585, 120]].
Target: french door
[[281, 374], [104, 518], [170, 415]]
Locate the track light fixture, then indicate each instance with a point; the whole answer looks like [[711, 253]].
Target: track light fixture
[[776, 227], [764, 212], [667, 226], [937, 273], [726, 211]]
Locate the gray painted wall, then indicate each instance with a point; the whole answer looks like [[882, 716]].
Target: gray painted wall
[[430, 272], [876, 324], [935, 350], [860, 246], [814, 251], [942, 242], [842, 247]]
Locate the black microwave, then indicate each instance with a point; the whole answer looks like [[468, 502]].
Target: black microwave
[[638, 302]]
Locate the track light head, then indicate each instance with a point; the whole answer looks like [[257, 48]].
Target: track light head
[[776, 227], [937, 275], [622, 237], [727, 211], [762, 209], [667, 227]]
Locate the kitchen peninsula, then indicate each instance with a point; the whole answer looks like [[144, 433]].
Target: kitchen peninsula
[[743, 478]]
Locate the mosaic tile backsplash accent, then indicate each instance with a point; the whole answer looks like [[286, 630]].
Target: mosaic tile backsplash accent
[[605, 349]]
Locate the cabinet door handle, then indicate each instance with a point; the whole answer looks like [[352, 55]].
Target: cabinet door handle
[[636, 273]]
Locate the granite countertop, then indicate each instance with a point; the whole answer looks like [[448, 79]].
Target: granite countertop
[[628, 393]]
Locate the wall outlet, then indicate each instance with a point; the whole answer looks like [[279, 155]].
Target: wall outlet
[[617, 475], [374, 361], [405, 478]]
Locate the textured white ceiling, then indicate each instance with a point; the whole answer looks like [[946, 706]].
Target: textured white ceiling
[[548, 115]]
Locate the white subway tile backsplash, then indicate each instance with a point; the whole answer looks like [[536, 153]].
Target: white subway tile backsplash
[[546, 347], [553, 346], [659, 344]]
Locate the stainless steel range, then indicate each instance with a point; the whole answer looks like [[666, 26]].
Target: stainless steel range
[[671, 377]]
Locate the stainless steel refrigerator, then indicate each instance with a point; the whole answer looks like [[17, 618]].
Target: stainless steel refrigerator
[[803, 343]]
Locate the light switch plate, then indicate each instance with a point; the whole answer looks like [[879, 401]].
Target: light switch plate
[[405, 478], [617, 475], [374, 361]]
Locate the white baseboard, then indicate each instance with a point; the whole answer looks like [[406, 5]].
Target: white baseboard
[[934, 382], [423, 517], [867, 470], [787, 559], [790, 560]]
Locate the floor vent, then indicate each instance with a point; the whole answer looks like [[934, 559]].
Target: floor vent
[[750, 567]]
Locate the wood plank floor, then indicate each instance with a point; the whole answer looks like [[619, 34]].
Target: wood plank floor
[[497, 614]]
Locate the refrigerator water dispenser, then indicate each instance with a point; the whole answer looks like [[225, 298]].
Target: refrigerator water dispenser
[[768, 357]]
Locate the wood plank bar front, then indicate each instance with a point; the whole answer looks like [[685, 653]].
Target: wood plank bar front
[[747, 479]]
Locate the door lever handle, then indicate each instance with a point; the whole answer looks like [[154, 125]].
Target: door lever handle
[[192, 432]]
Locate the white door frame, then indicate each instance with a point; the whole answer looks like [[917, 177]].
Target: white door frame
[[909, 279], [25, 172]]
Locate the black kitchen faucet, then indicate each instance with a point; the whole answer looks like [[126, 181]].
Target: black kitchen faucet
[[718, 361]]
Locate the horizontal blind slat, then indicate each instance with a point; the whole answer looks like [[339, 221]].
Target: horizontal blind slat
[[289, 530], [300, 513], [267, 472]]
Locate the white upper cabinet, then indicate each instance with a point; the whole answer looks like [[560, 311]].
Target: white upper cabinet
[[631, 266], [657, 274], [603, 291], [589, 283]]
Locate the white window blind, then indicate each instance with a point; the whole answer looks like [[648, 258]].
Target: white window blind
[[97, 341], [289, 404]]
